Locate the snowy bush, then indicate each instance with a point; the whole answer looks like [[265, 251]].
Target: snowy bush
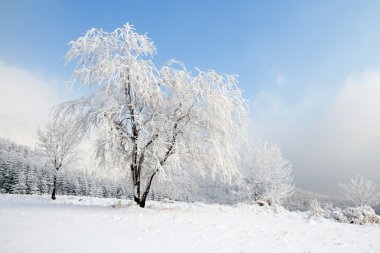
[[353, 215], [315, 208], [331, 212], [360, 215]]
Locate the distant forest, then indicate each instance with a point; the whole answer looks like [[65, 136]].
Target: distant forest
[[25, 171]]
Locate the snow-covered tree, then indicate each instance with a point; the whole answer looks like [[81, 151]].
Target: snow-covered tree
[[154, 121], [58, 142], [361, 191], [20, 187], [31, 179], [43, 181], [9, 174], [268, 175]]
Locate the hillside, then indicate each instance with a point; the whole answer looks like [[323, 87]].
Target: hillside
[[300, 200]]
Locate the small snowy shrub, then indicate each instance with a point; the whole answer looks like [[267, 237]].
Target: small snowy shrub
[[315, 208]]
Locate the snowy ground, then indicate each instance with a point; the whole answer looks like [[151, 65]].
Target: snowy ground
[[74, 224]]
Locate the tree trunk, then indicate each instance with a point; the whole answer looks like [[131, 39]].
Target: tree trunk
[[146, 192], [143, 198], [141, 201], [136, 192], [54, 187], [135, 181]]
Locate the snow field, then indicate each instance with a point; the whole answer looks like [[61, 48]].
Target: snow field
[[82, 224]]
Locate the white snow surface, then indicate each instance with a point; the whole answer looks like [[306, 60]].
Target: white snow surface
[[83, 224]]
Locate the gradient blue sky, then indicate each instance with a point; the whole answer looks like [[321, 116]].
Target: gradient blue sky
[[309, 42], [294, 59]]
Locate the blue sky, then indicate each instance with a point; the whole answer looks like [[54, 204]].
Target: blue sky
[[296, 60], [308, 42]]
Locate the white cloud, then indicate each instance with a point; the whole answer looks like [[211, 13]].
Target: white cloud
[[25, 99], [276, 120], [323, 135], [280, 79], [349, 135]]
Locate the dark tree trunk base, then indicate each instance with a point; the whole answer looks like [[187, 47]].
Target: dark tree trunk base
[[139, 201], [54, 187], [53, 194], [142, 203]]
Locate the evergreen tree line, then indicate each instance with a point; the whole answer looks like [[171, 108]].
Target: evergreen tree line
[[23, 171]]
